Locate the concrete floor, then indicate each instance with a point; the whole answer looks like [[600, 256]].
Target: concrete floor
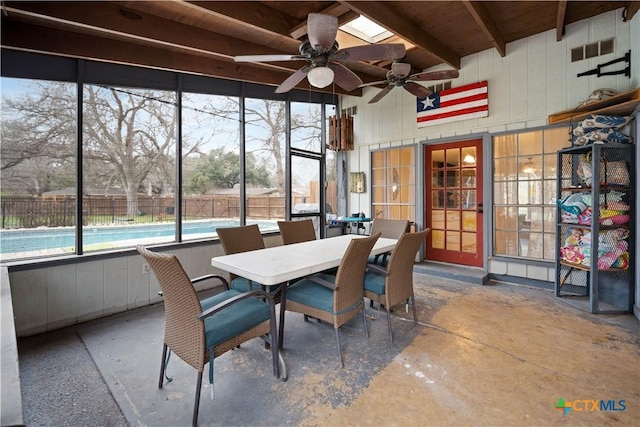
[[491, 355]]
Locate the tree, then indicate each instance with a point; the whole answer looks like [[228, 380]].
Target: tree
[[38, 139], [265, 127], [221, 169], [128, 138]]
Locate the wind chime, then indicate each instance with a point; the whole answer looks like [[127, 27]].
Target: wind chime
[[341, 132]]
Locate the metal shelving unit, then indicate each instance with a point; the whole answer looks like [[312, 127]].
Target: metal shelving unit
[[594, 269]]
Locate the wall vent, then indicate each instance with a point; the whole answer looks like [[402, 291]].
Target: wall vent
[[591, 50]]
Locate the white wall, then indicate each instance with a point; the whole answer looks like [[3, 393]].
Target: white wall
[[534, 79], [48, 297]]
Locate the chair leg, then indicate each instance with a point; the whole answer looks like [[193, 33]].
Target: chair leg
[[364, 318], [390, 329], [339, 349], [163, 365], [413, 305], [196, 406]]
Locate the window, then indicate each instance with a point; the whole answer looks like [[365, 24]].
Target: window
[[128, 156], [140, 134], [524, 192], [38, 173], [210, 164], [265, 127], [393, 183]]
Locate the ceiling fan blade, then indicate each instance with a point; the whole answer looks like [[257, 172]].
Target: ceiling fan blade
[[435, 75], [293, 80], [322, 30], [400, 69], [371, 52], [267, 58], [381, 94], [374, 83], [417, 90], [344, 77]]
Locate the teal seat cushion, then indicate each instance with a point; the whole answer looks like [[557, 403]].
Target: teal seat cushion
[[312, 294], [243, 285], [380, 259], [374, 282], [234, 319]]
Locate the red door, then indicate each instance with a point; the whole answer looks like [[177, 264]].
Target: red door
[[453, 187]]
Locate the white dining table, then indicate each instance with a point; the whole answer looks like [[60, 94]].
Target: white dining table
[[281, 264]]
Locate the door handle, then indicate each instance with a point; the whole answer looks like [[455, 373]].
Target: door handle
[[479, 210]]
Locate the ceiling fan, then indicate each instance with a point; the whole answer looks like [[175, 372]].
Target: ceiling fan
[[399, 76], [322, 52]]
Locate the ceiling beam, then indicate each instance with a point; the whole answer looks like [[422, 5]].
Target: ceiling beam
[[487, 25], [110, 20], [562, 11], [34, 38], [383, 15], [250, 15], [631, 9]]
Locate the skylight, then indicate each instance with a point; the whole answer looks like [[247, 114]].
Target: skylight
[[366, 30]]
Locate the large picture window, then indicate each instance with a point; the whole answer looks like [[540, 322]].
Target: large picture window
[[155, 164], [524, 176]]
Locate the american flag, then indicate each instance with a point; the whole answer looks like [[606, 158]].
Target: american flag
[[450, 105]]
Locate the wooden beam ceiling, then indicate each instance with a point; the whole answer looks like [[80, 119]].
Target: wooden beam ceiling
[[486, 24], [383, 15]]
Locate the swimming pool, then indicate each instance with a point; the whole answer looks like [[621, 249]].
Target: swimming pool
[[63, 239]]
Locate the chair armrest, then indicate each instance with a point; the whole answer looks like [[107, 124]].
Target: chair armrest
[[211, 276], [235, 299], [206, 277], [323, 282], [377, 269]]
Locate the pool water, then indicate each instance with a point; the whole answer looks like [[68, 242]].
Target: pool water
[[42, 239]]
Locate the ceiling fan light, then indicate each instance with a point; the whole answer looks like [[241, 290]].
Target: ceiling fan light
[[320, 77]]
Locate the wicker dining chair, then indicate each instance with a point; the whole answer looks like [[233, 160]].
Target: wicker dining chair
[[200, 331], [297, 231], [243, 239], [390, 229], [335, 299], [394, 284]]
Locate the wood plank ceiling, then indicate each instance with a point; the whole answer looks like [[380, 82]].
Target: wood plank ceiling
[[202, 37]]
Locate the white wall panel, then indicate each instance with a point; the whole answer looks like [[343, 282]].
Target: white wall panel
[[62, 300], [90, 290], [138, 289], [536, 84], [519, 74], [29, 291], [555, 86], [115, 285]]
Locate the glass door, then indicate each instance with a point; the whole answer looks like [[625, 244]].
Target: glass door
[[454, 202]]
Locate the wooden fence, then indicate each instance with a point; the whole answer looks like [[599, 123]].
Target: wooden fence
[[59, 211]]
